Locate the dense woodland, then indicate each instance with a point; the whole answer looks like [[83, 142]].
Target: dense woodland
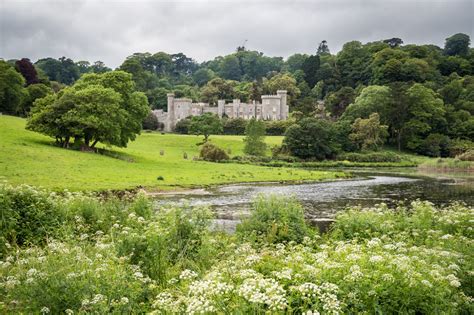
[[414, 97]]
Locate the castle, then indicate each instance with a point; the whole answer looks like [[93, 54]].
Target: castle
[[273, 107]]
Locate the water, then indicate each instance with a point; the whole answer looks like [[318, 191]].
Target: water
[[325, 199]]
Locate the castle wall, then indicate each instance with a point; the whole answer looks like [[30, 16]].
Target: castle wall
[[273, 107]]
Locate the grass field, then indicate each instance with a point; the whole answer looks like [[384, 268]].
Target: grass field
[[30, 158]]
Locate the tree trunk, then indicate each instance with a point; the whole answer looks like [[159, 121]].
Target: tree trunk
[[66, 142]]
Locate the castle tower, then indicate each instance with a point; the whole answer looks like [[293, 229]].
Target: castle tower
[[171, 113], [220, 107], [284, 109]]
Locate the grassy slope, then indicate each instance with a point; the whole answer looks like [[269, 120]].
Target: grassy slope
[[28, 157]]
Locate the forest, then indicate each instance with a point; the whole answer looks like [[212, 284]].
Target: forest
[[418, 98]]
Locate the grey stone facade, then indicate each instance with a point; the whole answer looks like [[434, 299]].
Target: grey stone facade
[[272, 107]]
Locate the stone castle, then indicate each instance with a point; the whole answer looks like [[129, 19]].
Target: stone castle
[[272, 107]]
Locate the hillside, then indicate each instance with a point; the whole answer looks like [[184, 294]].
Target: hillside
[[30, 158]]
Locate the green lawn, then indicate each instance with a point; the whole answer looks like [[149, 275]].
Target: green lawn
[[30, 158]]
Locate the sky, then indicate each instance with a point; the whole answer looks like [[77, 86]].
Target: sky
[[112, 30]]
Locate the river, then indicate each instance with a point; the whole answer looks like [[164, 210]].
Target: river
[[324, 199]]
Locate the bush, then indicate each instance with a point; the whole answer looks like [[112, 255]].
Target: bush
[[28, 216], [435, 145], [211, 152], [458, 147], [235, 126], [151, 122], [467, 156], [276, 127], [274, 220], [182, 126], [375, 157], [81, 277]]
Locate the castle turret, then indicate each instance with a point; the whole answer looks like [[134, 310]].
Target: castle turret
[[220, 107], [171, 113], [284, 109]]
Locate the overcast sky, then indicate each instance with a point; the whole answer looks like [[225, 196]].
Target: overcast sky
[[111, 30]]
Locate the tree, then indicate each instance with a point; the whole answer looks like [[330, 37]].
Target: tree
[[394, 42], [337, 102], [27, 70], [202, 76], [98, 107], [282, 81], [205, 125], [218, 89], [323, 48], [425, 113], [295, 62], [458, 44], [230, 68], [12, 93], [255, 138], [310, 68], [63, 70], [311, 138], [35, 91], [368, 133], [372, 99]]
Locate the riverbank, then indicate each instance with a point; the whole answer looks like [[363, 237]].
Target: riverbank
[[154, 161], [145, 261], [448, 165]]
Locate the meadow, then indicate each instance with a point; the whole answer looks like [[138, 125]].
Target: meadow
[[30, 158], [96, 255]]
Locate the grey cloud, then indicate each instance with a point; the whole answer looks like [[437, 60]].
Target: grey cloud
[[111, 30]]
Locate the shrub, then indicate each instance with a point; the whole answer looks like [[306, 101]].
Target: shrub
[[174, 238], [274, 220], [235, 126], [81, 278], [150, 122], [28, 216], [458, 147], [211, 152], [370, 157], [467, 156], [276, 127], [255, 138], [182, 126], [435, 145]]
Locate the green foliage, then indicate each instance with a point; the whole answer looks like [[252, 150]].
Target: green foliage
[[182, 126], [205, 125], [211, 152], [276, 127], [28, 217], [255, 138], [35, 91], [458, 44], [372, 99], [99, 107], [311, 138], [368, 134], [151, 122], [274, 220], [282, 81], [12, 94], [235, 126], [125, 256]]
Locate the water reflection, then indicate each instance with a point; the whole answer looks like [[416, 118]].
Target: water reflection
[[323, 200]]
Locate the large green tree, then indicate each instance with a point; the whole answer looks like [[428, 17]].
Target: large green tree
[[99, 107], [368, 134], [311, 138]]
